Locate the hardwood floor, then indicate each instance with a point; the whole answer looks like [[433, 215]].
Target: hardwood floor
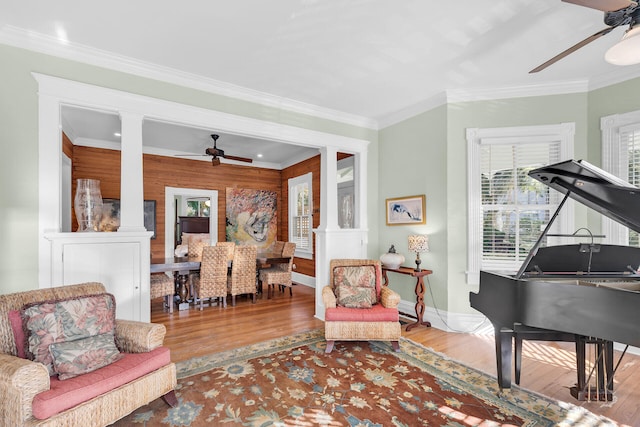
[[547, 367]]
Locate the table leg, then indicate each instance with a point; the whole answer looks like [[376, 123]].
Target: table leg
[[183, 291], [419, 306]]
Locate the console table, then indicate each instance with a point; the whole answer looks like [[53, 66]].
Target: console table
[[420, 288]]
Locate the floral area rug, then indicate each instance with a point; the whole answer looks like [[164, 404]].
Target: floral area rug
[[291, 381]]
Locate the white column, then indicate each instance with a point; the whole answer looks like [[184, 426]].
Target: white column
[[131, 176], [49, 180]]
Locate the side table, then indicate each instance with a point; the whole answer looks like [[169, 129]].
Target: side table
[[420, 288]]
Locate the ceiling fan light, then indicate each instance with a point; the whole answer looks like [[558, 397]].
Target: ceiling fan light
[[627, 50]]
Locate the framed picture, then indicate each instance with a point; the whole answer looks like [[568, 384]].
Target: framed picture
[[406, 210], [111, 215]]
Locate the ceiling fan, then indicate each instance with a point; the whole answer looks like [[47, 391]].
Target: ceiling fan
[[217, 153], [616, 13]]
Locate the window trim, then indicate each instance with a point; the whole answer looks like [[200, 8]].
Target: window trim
[[292, 183], [610, 127], [476, 137]]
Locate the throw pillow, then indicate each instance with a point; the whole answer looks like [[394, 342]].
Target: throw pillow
[[70, 319], [355, 286], [15, 319], [73, 358], [355, 296]]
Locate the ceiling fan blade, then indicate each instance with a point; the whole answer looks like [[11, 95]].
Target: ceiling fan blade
[[190, 155], [572, 49], [603, 5], [240, 159]]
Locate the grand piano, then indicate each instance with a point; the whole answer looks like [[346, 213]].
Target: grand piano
[[584, 292]]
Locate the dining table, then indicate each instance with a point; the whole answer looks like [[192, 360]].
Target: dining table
[[182, 266]]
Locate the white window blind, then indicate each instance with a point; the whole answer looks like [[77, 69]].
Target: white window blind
[[621, 157], [508, 210], [515, 207], [300, 210]]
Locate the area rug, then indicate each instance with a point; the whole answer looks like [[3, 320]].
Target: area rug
[[291, 381]]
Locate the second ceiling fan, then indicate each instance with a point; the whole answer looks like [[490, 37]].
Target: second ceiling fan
[[616, 14], [217, 153]]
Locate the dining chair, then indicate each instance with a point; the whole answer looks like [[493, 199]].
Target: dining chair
[[279, 274], [162, 285], [212, 281], [243, 272], [230, 247]]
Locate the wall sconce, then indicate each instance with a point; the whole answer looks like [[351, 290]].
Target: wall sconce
[[418, 243]]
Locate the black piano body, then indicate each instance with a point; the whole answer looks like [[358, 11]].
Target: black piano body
[[585, 289]]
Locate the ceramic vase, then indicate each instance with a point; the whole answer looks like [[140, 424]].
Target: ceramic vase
[[88, 204], [392, 259]]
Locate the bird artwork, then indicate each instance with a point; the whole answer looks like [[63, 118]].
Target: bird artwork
[[401, 210]]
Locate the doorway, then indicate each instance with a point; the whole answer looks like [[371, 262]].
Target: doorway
[[170, 220]]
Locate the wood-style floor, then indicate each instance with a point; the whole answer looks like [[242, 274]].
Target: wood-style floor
[[547, 367]]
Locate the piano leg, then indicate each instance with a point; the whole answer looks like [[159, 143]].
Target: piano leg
[[602, 388], [503, 356]]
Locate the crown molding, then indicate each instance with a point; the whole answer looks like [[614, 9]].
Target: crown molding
[[21, 38], [452, 96]]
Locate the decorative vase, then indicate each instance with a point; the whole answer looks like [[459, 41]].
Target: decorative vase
[[347, 211], [88, 204], [391, 259]]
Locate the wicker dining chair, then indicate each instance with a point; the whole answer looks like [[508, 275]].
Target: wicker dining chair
[[279, 274], [164, 286], [230, 247], [212, 281], [243, 273]]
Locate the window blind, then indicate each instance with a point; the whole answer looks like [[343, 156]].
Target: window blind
[[515, 207]]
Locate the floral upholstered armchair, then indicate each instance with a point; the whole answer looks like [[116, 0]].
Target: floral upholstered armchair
[[357, 306], [89, 369]]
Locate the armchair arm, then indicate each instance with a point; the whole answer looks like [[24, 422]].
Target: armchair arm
[[20, 381], [138, 337], [328, 297], [389, 298]]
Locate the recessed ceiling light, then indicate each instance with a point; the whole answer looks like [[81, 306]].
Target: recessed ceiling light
[[117, 134], [259, 155]]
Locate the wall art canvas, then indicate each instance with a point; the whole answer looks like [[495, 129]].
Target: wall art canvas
[[406, 210], [111, 215], [251, 217]]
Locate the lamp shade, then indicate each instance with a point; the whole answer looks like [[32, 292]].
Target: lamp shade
[[627, 50], [419, 243]]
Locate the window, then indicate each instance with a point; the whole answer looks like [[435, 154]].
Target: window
[[621, 157], [300, 219], [508, 210]]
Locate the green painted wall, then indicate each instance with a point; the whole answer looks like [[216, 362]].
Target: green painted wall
[[19, 138], [432, 150], [413, 158]]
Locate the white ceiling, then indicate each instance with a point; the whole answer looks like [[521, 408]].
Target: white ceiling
[[366, 61]]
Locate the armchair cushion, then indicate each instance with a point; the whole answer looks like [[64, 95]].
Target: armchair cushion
[[355, 286], [73, 358], [377, 313], [65, 320], [355, 296], [15, 319], [63, 395]]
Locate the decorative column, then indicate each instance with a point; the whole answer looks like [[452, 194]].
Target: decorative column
[[131, 175]]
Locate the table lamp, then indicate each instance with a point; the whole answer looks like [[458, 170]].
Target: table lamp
[[418, 243]]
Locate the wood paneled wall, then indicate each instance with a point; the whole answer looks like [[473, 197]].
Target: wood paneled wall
[[160, 172], [303, 266]]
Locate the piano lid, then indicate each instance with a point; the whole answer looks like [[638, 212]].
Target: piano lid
[[595, 188]]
